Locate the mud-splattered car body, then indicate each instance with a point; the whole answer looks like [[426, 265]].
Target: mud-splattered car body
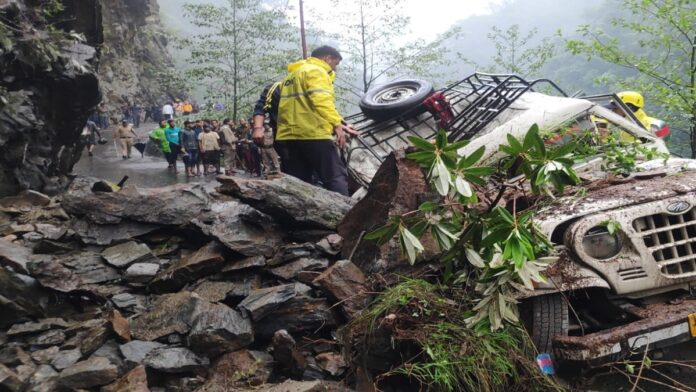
[[646, 282]]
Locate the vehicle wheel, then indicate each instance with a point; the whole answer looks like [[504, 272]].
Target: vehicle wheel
[[545, 317], [399, 97]]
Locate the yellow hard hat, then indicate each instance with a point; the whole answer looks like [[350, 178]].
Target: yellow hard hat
[[632, 97]]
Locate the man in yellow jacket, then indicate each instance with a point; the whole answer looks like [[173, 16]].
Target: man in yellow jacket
[[308, 121]]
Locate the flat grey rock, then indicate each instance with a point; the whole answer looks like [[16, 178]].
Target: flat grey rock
[[175, 360], [135, 352], [122, 255]]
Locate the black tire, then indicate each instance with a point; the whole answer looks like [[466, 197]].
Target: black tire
[[545, 317], [399, 98]]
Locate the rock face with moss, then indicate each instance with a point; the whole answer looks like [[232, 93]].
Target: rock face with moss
[[53, 57], [47, 88]]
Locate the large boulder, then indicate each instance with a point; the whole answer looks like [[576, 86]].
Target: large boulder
[[219, 329], [173, 205], [171, 313], [88, 374], [241, 228], [399, 186], [291, 201]]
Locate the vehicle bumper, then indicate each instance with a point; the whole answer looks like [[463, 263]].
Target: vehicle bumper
[[659, 325]]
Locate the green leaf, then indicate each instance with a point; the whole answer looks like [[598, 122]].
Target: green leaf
[[421, 143], [383, 234], [472, 158], [441, 140], [515, 146], [411, 244], [456, 145], [427, 206]]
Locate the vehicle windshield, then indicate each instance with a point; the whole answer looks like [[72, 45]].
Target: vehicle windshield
[[590, 129]]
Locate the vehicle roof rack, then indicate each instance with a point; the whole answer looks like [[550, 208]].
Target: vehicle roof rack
[[485, 96]]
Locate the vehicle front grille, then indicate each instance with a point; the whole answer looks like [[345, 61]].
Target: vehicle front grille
[[672, 241], [632, 273]]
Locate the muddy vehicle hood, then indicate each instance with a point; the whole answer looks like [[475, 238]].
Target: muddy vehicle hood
[[661, 180]]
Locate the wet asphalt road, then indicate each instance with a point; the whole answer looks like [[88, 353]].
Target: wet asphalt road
[[142, 171]]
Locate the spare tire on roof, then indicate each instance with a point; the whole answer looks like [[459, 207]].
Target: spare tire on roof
[[402, 97]]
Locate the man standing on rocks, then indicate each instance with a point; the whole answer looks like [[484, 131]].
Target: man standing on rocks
[[308, 121], [125, 136]]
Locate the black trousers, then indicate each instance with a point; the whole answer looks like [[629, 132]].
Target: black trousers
[[307, 157]]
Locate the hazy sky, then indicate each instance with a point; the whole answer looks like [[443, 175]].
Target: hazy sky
[[428, 17]]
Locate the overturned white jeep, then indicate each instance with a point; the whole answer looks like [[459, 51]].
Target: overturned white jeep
[[608, 295]]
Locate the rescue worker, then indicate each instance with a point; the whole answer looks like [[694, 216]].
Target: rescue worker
[[634, 101], [308, 121], [125, 137]]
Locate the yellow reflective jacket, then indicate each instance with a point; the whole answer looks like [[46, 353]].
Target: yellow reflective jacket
[[307, 109], [643, 118]]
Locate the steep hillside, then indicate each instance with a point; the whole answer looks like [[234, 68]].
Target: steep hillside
[[134, 52]]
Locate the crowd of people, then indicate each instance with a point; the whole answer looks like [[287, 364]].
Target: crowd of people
[[295, 129], [213, 147]]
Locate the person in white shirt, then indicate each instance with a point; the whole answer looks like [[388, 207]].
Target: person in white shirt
[[168, 111]]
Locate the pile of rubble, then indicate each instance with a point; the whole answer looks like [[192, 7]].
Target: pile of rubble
[[180, 289]]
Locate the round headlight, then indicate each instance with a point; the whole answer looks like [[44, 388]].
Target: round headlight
[[599, 244]]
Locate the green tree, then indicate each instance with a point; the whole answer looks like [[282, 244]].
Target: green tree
[[371, 41], [661, 52], [243, 46], [515, 53]]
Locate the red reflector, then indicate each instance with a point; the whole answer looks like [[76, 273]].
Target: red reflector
[[662, 132]]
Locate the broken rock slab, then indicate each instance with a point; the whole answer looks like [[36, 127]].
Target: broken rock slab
[[38, 326], [14, 256], [332, 363], [26, 199], [172, 205], [291, 201], [44, 379], [219, 329], [127, 253], [299, 316], [175, 360], [398, 187], [239, 369], [214, 291], [289, 360], [66, 358], [74, 272], [9, 380], [241, 228], [263, 301], [22, 297], [306, 386], [171, 313], [91, 373], [205, 260], [141, 272], [292, 269], [103, 234], [135, 351], [345, 283], [133, 381]]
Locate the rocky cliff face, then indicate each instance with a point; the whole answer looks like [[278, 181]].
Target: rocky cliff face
[[47, 88], [134, 52], [50, 79]]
